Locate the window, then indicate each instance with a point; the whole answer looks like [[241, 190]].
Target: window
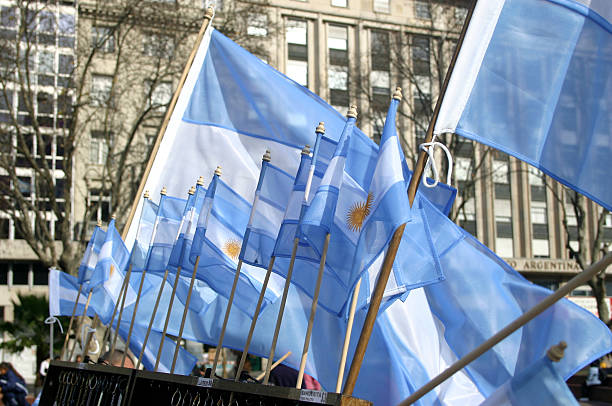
[[101, 89], [158, 45], [98, 147], [381, 6], [103, 39], [339, 3], [46, 62], [298, 71], [8, 16], [66, 24], [46, 22], [420, 55], [99, 205], [422, 10], [338, 72], [297, 54], [257, 25], [380, 50], [160, 96], [502, 206]]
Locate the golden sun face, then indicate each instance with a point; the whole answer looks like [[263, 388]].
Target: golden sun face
[[358, 213], [232, 249]]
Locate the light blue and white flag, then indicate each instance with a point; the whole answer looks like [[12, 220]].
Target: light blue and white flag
[[533, 79], [218, 241], [540, 384], [144, 237], [90, 257], [63, 290], [269, 208], [168, 223], [107, 280]]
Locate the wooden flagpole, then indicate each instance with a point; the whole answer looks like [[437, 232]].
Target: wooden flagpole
[[126, 281], [108, 332], [193, 277], [266, 158], [172, 295], [76, 302], [347, 336], [80, 324], [352, 113], [320, 130], [395, 240], [578, 280], [180, 335], [88, 335], [245, 351], [313, 310], [142, 278], [207, 18]]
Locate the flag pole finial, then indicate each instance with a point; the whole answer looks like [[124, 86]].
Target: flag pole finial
[[99, 223], [320, 128], [191, 190], [267, 157], [397, 95], [306, 150], [200, 181], [210, 11], [147, 195], [164, 191], [352, 111], [218, 171], [556, 352]]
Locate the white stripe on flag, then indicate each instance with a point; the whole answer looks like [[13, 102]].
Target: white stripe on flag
[[468, 63]]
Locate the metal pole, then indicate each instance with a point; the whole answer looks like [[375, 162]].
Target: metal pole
[[81, 323], [180, 335], [76, 302], [313, 310], [153, 314], [129, 336], [161, 344], [107, 333], [279, 319], [254, 320], [127, 285]]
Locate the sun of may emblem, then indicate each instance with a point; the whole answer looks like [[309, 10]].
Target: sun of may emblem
[[232, 248], [358, 213]]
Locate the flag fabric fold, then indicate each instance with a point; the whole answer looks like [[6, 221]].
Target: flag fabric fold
[[540, 384], [63, 291], [90, 257], [547, 105]]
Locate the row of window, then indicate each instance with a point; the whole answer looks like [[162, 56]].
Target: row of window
[[22, 273]]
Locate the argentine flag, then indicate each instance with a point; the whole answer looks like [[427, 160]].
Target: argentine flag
[[533, 78]]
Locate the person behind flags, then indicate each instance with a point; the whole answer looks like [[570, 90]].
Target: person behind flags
[[12, 386]]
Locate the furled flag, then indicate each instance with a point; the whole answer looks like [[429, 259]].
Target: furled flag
[[268, 212], [533, 79], [90, 257], [217, 243], [144, 236], [107, 279], [168, 222], [539, 384], [63, 289]]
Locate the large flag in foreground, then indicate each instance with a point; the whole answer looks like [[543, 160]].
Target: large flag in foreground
[[533, 79]]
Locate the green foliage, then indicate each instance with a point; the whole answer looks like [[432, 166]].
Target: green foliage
[[28, 328]]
